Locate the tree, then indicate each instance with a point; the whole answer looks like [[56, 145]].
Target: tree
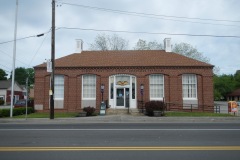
[[31, 74], [143, 45], [237, 79], [105, 42], [20, 75], [189, 51], [223, 85], [3, 74], [181, 48]]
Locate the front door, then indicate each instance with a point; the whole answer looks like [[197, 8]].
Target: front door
[[122, 97]]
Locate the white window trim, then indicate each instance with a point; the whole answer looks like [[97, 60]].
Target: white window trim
[[58, 98], [191, 98], [95, 88], [157, 98], [55, 87]]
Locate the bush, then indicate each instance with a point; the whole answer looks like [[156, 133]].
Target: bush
[[16, 111], [1, 102], [89, 110], [154, 106]]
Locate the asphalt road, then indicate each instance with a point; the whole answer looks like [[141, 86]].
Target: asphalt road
[[102, 141]]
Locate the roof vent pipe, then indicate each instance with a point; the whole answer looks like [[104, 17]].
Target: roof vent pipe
[[79, 45], [167, 45]]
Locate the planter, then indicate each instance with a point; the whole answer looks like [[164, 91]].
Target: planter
[[157, 113]]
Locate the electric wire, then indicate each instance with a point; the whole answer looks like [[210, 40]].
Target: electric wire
[[156, 16], [5, 66], [143, 32], [39, 48], [38, 35], [12, 57]]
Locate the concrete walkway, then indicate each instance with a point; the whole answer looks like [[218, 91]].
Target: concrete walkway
[[121, 119]]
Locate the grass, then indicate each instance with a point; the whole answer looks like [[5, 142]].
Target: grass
[[196, 114], [47, 115], [168, 114]]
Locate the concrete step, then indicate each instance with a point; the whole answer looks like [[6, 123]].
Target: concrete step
[[111, 111]]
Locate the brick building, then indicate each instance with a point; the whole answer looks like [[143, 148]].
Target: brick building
[[180, 81]]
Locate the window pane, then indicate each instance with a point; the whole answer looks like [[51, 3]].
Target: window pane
[[111, 84], [133, 87], [89, 86], [59, 86], [189, 86], [156, 86], [122, 80]]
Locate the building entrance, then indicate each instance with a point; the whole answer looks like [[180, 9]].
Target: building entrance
[[122, 91], [122, 95]]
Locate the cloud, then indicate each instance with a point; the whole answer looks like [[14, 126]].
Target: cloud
[[34, 17]]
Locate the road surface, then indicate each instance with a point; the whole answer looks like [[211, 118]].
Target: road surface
[[102, 141]]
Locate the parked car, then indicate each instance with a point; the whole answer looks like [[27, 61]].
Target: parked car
[[22, 103]]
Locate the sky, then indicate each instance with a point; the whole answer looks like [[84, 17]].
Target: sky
[[187, 17]]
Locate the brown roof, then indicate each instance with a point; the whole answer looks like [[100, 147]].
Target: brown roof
[[235, 93], [125, 58], [5, 84]]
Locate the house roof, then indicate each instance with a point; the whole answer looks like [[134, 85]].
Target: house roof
[[235, 93], [125, 58], [4, 84]]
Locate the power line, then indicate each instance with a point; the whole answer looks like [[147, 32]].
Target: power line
[[5, 66], [38, 35], [6, 71], [156, 16], [136, 32], [38, 49], [12, 57]]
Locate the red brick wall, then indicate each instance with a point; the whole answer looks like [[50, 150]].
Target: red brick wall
[[172, 84]]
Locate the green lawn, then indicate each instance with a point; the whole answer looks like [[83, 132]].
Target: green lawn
[[47, 115], [196, 114], [168, 114]]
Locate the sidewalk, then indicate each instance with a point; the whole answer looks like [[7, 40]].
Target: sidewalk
[[120, 119]]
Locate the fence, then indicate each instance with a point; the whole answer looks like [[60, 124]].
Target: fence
[[171, 106]]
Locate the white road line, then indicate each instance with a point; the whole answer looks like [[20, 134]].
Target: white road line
[[102, 129], [112, 148]]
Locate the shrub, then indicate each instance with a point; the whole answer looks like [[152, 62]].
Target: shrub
[[1, 102], [154, 106], [89, 110], [16, 111]]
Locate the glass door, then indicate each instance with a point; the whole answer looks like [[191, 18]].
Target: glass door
[[120, 97], [127, 96]]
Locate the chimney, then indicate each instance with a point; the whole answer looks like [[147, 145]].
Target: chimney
[[79, 45], [167, 45]]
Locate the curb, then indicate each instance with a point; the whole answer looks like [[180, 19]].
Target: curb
[[121, 119]]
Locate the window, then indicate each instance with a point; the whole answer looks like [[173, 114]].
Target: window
[[156, 84], [111, 84], [59, 87], [189, 86], [89, 87], [133, 87], [122, 80]]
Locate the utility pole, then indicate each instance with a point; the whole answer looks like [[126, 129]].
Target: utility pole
[[53, 62], [14, 60]]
